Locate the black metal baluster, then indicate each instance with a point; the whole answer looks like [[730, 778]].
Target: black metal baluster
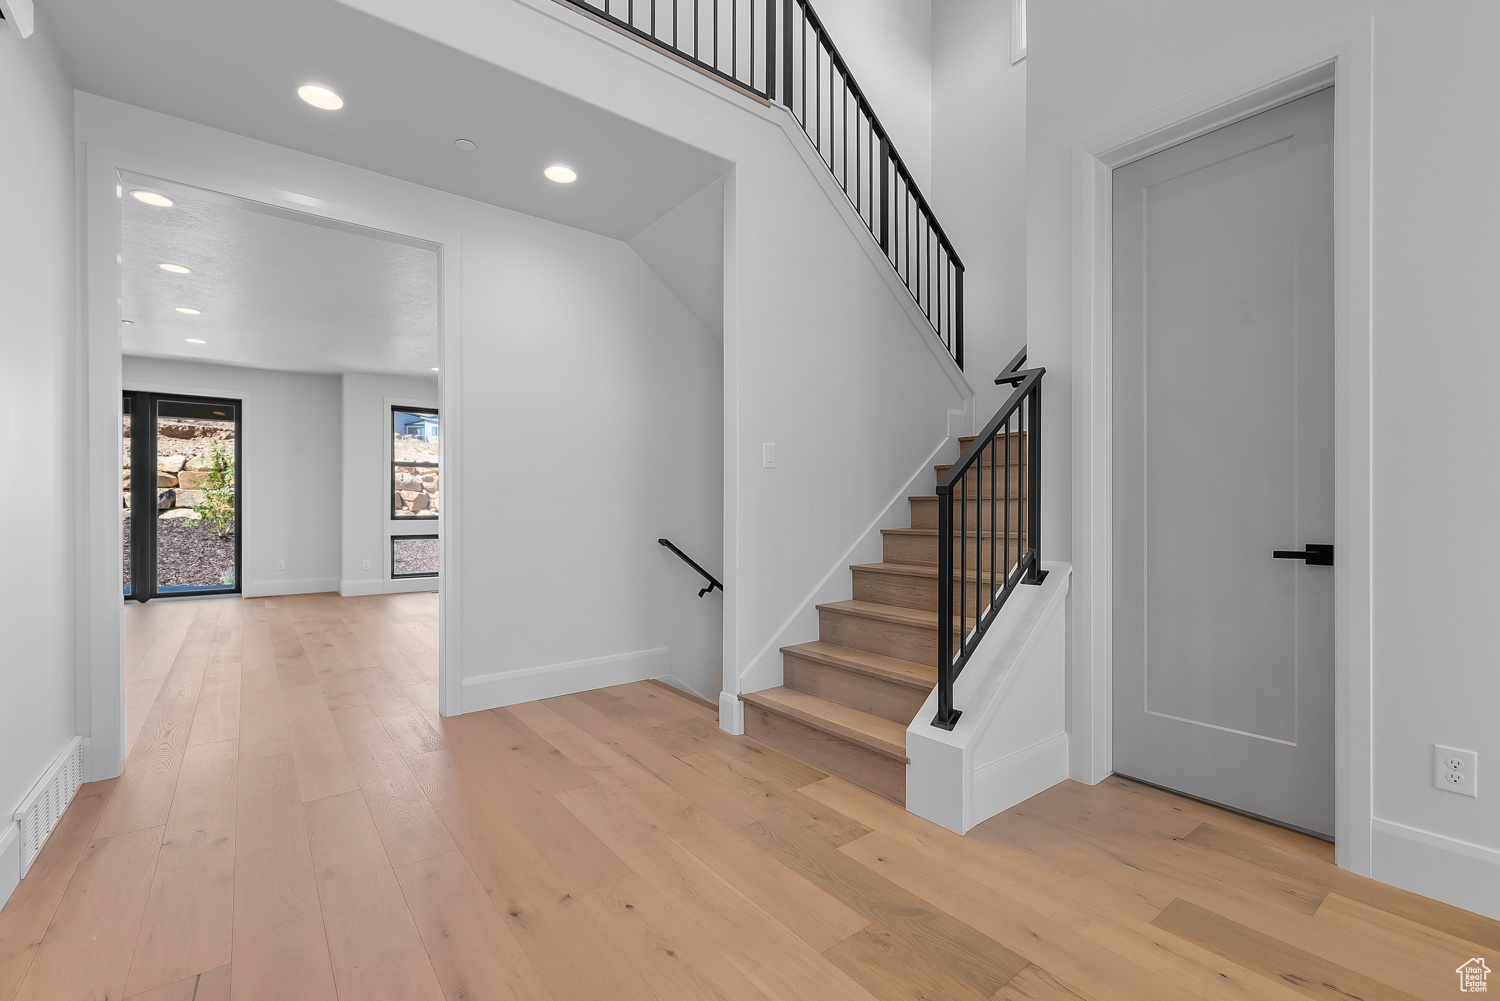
[[994, 513], [946, 716], [804, 72], [786, 53], [885, 195], [1034, 488], [963, 565], [734, 38]]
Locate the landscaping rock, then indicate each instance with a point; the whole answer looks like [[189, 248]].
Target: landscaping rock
[[191, 498], [165, 499], [180, 513], [170, 463], [192, 478], [165, 479]]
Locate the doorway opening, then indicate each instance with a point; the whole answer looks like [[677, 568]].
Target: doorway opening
[[181, 500]]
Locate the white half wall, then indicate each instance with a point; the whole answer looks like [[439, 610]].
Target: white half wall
[[1011, 740], [39, 403], [291, 467], [367, 526]]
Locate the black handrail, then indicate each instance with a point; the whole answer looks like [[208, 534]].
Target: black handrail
[[1018, 491], [800, 67], [713, 582]]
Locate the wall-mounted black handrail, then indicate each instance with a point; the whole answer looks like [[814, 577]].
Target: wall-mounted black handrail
[[1013, 373], [1012, 441], [713, 582], [779, 50]]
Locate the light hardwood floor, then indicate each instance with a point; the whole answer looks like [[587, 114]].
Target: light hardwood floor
[[295, 821]]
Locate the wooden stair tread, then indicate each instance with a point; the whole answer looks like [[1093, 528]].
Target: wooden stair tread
[[874, 733], [884, 613], [927, 570], [933, 532], [893, 669]]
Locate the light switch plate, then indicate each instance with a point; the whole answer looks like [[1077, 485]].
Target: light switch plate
[[768, 454]]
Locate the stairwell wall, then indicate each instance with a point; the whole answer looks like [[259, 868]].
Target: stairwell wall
[[823, 353]]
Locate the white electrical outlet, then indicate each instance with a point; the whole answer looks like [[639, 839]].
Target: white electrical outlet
[[367, 564], [1455, 770], [281, 564], [768, 454]]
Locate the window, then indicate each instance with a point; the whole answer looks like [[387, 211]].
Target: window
[[1017, 30], [414, 464], [414, 556]]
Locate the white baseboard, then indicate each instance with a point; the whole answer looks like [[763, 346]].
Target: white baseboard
[[731, 713], [403, 585], [1017, 777], [507, 688], [1456, 872], [10, 860], [304, 585]]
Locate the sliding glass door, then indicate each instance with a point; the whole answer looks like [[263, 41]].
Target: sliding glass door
[[181, 503]]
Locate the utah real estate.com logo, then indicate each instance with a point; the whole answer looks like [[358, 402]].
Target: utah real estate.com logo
[[1472, 976]]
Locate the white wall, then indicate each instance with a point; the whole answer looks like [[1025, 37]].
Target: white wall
[[1096, 64], [823, 354], [291, 467], [888, 45], [685, 248], [38, 401], [367, 525], [591, 420], [979, 181]]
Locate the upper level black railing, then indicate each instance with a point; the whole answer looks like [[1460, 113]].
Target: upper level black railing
[[779, 50], [713, 582], [989, 525]]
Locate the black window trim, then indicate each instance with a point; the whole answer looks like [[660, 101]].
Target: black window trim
[[411, 576], [390, 429]]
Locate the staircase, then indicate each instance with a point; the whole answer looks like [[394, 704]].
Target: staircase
[[846, 699]]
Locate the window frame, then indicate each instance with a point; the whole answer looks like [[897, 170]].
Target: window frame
[[390, 430], [434, 536]]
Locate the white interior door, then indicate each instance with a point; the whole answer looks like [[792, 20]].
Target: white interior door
[[1223, 455]]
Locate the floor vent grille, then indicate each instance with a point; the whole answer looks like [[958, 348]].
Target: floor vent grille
[[44, 805]]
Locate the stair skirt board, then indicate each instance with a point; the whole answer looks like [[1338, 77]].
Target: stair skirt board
[[508, 688]]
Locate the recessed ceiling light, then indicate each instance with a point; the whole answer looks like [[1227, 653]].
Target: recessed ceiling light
[[464, 144], [189, 310], [320, 97], [561, 174], [151, 198], [195, 340], [127, 321], [176, 269], [434, 368]]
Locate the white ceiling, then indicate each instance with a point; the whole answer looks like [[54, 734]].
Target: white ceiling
[[236, 66], [276, 290]]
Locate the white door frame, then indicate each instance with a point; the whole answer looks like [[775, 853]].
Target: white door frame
[[1341, 58], [99, 698]]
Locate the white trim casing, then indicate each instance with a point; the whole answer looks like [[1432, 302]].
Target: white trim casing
[[1344, 58]]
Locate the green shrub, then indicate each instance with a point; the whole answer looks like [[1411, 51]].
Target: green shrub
[[217, 509]]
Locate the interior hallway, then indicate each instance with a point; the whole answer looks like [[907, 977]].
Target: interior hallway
[[294, 820]]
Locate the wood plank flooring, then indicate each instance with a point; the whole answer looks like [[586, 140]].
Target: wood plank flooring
[[295, 821]]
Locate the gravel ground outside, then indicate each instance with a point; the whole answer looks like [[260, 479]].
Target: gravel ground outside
[[414, 556], [187, 555]]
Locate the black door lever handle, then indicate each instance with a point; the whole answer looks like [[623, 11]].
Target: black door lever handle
[[1316, 555]]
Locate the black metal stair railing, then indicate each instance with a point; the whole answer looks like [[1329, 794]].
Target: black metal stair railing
[[992, 544], [713, 582], [779, 50]]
